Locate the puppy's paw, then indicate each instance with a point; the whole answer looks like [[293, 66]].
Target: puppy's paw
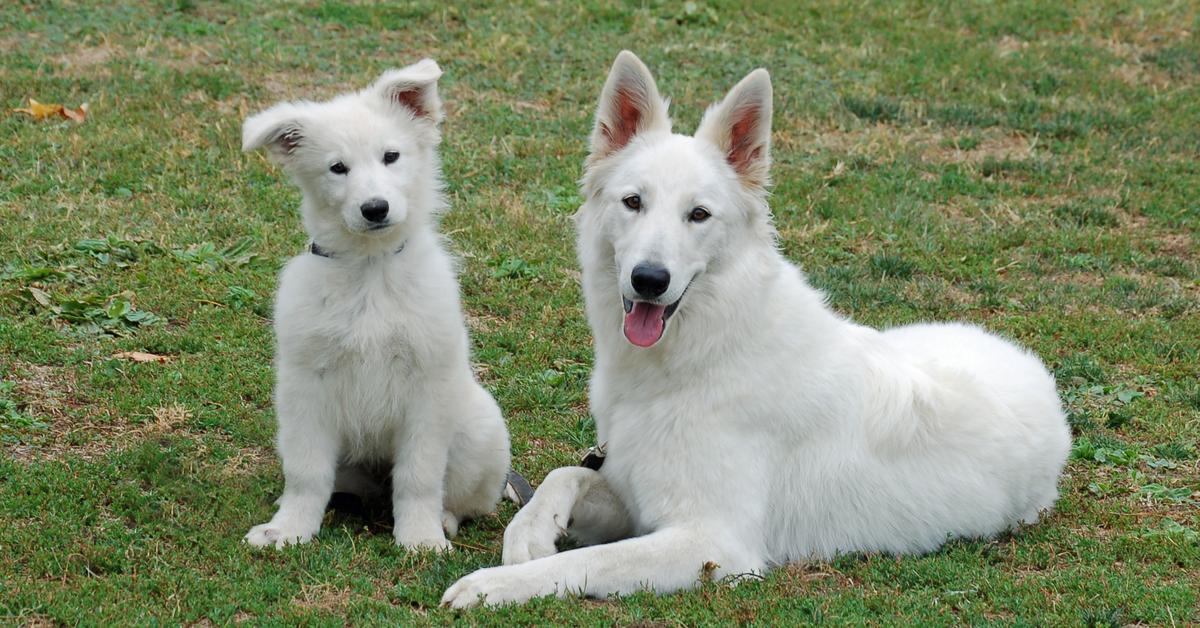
[[277, 535], [421, 535], [449, 524], [437, 543], [493, 587]]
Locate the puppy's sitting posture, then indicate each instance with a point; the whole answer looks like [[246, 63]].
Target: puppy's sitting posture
[[746, 424], [372, 358]]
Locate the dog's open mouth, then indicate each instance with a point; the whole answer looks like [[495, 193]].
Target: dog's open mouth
[[645, 321]]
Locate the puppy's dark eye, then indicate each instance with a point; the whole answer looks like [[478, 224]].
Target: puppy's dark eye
[[339, 168], [699, 214], [633, 201], [390, 157]]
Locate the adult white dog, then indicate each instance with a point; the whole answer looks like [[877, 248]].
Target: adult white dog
[[372, 362], [746, 424]]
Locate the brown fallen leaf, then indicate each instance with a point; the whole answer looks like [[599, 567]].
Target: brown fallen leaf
[[43, 111], [39, 111], [139, 356], [76, 115]]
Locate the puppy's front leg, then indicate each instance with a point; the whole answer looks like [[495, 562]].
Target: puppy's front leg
[[418, 476], [577, 497], [664, 561], [309, 452]]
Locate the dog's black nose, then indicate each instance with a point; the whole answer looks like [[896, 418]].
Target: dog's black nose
[[375, 209], [650, 280]]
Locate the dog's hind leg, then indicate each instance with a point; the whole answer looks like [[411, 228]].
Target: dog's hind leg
[[478, 460], [574, 500]]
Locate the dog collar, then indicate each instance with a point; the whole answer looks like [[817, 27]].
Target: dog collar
[[320, 252], [594, 459]]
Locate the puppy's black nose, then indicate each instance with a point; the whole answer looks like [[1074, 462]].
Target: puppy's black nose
[[375, 210], [650, 280]]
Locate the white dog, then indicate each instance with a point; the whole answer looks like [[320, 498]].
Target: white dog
[[746, 424], [372, 358]]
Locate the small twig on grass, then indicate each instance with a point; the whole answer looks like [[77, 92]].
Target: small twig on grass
[[477, 548]]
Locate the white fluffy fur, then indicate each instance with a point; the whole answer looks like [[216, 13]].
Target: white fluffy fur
[[762, 427], [372, 359]]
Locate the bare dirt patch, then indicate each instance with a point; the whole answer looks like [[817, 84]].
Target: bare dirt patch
[[938, 290], [75, 427], [483, 323], [323, 597], [48, 392], [1135, 47], [86, 57], [1086, 279], [997, 146], [1177, 244], [1138, 73], [885, 142], [1009, 45], [13, 42], [298, 84], [50, 395], [178, 55], [802, 577]]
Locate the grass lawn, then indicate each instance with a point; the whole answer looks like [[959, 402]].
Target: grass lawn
[[1030, 166]]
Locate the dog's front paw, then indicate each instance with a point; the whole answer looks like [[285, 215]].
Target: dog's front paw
[[493, 587], [277, 534], [422, 537], [437, 543], [528, 539]]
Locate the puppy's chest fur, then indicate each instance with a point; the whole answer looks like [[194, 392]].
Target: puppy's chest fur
[[372, 334]]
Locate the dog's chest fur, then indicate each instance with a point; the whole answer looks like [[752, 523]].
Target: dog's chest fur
[[375, 333]]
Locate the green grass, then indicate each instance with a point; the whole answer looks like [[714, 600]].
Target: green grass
[[1029, 166]]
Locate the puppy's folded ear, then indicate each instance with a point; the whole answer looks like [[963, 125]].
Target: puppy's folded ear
[[414, 90], [629, 105], [740, 126], [279, 128]]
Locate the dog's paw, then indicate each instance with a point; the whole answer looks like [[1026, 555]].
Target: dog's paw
[[421, 530], [531, 535], [277, 535], [449, 524], [526, 540], [418, 544], [492, 587]]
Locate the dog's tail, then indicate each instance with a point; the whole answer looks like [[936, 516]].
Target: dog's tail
[[517, 489]]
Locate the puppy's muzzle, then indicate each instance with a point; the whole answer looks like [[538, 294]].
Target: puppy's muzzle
[[375, 210]]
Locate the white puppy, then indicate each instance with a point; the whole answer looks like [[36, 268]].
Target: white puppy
[[746, 424], [372, 359]]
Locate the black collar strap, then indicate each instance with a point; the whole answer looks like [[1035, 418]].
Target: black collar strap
[[320, 252]]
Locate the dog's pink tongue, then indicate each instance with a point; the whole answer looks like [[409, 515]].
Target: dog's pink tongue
[[644, 323]]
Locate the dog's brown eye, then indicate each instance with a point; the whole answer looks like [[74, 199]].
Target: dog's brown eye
[[699, 214], [339, 168], [390, 157], [633, 201]]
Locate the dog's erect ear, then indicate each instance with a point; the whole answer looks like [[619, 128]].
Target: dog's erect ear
[[740, 126], [629, 105], [278, 128], [414, 89]]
